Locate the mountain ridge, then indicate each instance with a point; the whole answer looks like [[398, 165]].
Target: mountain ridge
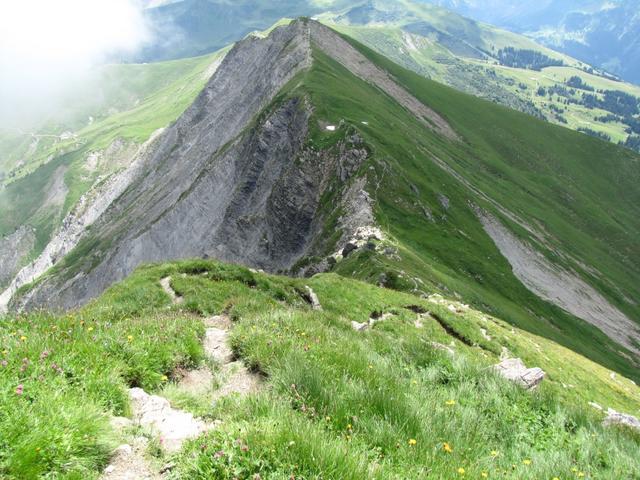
[[353, 158]]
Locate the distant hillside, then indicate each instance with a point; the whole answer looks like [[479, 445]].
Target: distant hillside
[[602, 33], [504, 67], [470, 56]]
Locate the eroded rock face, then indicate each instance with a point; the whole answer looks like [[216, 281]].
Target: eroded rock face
[[13, 248], [230, 180], [515, 370], [236, 178], [560, 286]]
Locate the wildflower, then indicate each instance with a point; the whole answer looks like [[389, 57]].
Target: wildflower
[[19, 389], [415, 382], [23, 338], [328, 419], [4, 363], [44, 355], [494, 453], [164, 378], [218, 454], [244, 448], [130, 337], [580, 474], [461, 471], [555, 478], [349, 427], [447, 448], [574, 469], [526, 461], [484, 475], [450, 402], [412, 442], [370, 366], [90, 329]]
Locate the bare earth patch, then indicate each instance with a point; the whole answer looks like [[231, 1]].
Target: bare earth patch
[[560, 287]]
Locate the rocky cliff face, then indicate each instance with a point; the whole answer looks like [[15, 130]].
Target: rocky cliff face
[[234, 178]]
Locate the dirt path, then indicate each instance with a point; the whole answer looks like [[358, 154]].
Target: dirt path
[[165, 283], [172, 426]]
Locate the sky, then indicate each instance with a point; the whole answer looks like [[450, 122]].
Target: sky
[[48, 46]]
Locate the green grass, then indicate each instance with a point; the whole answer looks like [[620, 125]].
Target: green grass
[[502, 155], [63, 376], [336, 404]]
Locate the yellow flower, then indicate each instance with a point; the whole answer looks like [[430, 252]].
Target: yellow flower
[[164, 378], [580, 474], [412, 442], [526, 461], [447, 448], [461, 471], [484, 475], [555, 478], [494, 453], [130, 337], [23, 338], [450, 402], [90, 329], [574, 469], [328, 419], [415, 382], [370, 366]]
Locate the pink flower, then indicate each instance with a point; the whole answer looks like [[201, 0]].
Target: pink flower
[[4, 363], [19, 389], [218, 454], [44, 355]]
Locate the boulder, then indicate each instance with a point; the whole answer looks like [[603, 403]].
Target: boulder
[[616, 418], [515, 370]]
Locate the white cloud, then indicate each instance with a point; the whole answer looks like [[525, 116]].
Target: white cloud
[[47, 46]]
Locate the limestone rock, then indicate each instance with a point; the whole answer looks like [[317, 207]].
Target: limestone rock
[[313, 298], [616, 418], [515, 370], [173, 426]]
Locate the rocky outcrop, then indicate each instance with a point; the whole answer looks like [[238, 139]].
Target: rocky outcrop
[[622, 419], [514, 369]]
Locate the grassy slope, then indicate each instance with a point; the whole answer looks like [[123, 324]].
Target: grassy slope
[[338, 403], [580, 189], [136, 101], [502, 156], [484, 77]]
